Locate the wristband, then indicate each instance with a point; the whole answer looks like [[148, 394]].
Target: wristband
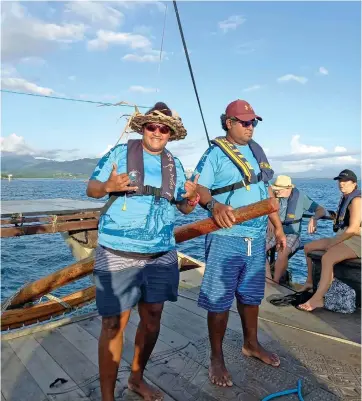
[[195, 202]]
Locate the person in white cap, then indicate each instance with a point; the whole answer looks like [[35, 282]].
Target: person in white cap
[[293, 204]]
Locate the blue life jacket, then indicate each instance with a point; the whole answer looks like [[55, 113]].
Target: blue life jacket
[[290, 217], [136, 173]]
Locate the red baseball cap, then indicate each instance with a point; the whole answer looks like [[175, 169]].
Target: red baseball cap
[[241, 110]]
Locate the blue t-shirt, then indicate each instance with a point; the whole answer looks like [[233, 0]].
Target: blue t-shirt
[[217, 170], [146, 226]]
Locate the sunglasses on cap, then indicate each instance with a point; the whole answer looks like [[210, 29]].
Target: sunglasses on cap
[[152, 127], [246, 124]]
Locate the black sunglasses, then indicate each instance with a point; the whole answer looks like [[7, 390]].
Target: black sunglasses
[[246, 124]]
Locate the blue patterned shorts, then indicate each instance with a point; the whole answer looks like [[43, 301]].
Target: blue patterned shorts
[[235, 267]]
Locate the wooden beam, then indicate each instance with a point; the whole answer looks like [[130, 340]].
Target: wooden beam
[[53, 281], [244, 213]]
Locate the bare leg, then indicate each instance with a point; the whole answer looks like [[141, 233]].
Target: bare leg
[[146, 338], [334, 255], [251, 347], [267, 270], [217, 323], [110, 352], [319, 245], [281, 264]]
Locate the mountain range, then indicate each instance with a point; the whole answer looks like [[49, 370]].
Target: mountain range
[[27, 166]]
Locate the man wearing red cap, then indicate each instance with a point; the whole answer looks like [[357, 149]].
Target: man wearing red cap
[[235, 172]]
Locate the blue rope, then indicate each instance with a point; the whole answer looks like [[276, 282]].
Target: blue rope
[[297, 390], [70, 99]]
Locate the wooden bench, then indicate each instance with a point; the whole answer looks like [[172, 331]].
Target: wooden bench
[[348, 271]]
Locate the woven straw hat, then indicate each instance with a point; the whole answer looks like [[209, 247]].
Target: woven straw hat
[[283, 182], [159, 114]]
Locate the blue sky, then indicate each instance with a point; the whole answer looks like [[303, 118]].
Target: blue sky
[[297, 63]]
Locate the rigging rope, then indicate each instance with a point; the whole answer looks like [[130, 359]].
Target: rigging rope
[[71, 99], [190, 69], [161, 48]]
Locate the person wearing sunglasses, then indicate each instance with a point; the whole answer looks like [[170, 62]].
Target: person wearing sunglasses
[[235, 172], [346, 244], [136, 260]]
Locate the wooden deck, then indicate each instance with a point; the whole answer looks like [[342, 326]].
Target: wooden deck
[[47, 206], [330, 368]]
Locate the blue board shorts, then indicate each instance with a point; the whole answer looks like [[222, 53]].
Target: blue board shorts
[[121, 283], [235, 267]]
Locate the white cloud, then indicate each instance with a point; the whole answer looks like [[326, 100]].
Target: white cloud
[[20, 84], [16, 144], [252, 88], [231, 23], [72, 78], [298, 147], [142, 89], [323, 71], [305, 157], [106, 38], [26, 36], [97, 13], [145, 58], [291, 77]]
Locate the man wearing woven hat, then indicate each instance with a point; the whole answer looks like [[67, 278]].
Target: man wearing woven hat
[[136, 261], [235, 172], [293, 204]]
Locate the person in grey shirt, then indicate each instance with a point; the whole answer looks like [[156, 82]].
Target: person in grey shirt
[[293, 204]]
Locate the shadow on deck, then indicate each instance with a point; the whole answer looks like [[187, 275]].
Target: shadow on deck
[[330, 368]]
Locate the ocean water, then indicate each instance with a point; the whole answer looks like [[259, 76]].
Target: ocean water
[[25, 259]]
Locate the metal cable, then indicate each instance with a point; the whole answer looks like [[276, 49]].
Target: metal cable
[[190, 69]]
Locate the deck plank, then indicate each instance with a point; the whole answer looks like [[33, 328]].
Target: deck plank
[[93, 327], [16, 381], [72, 361], [44, 369]]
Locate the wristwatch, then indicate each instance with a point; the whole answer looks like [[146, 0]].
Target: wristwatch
[[210, 205]]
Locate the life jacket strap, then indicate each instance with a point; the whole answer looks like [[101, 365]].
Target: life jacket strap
[[232, 187], [288, 223]]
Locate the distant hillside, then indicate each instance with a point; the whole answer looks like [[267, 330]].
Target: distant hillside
[[25, 166]]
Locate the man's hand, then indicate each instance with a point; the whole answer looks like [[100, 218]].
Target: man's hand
[[280, 239], [118, 182], [223, 215], [191, 189], [312, 226]]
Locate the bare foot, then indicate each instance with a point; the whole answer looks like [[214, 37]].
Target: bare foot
[[147, 392], [312, 304], [218, 374], [306, 287], [259, 352]]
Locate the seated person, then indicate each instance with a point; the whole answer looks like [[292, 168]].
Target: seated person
[[293, 204], [345, 245]]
